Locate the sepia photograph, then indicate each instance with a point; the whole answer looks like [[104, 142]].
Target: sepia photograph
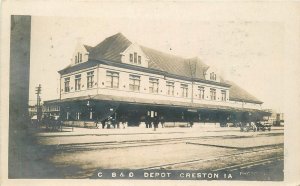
[[146, 96]]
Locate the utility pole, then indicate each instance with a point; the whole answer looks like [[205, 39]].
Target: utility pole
[[38, 103]]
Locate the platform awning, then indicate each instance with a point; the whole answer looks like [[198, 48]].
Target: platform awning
[[164, 103]]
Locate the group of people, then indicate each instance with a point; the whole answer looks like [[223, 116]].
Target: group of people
[[154, 121], [110, 122]]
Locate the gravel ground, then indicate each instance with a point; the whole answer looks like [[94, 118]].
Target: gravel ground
[[80, 153]]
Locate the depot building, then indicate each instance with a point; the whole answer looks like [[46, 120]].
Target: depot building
[[135, 84]]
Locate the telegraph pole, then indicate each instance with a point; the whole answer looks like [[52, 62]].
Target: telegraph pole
[[38, 103]]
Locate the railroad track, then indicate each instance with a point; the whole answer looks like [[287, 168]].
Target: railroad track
[[129, 143], [137, 143], [250, 164], [235, 153]]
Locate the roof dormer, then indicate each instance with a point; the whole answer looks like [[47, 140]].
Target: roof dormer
[[135, 56], [212, 74], [81, 54]]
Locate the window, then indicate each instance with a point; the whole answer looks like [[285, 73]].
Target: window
[[201, 92], [80, 57], [77, 82], [170, 88], [153, 85], [67, 84], [223, 93], [184, 90], [131, 58], [68, 115], [91, 115], [76, 60], [134, 83], [135, 57], [152, 114], [213, 94], [90, 79], [112, 79], [139, 60], [77, 115], [213, 76]]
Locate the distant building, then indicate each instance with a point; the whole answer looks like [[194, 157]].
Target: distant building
[[276, 118], [137, 84], [31, 111], [51, 107]]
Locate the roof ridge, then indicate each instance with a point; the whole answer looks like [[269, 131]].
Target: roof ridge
[[110, 48], [164, 53], [117, 35]]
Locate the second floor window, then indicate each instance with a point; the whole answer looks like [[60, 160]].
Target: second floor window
[[134, 83], [139, 60], [112, 79], [67, 84], [184, 90], [153, 85], [77, 82], [223, 93], [90, 79], [213, 94], [201, 92], [170, 88]]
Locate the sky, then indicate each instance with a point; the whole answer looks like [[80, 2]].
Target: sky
[[250, 53]]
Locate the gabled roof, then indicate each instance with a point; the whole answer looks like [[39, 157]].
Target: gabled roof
[[88, 48], [172, 64], [110, 49]]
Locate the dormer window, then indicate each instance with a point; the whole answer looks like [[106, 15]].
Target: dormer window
[[131, 58], [213, 76], [78, 58], [135, 57]]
